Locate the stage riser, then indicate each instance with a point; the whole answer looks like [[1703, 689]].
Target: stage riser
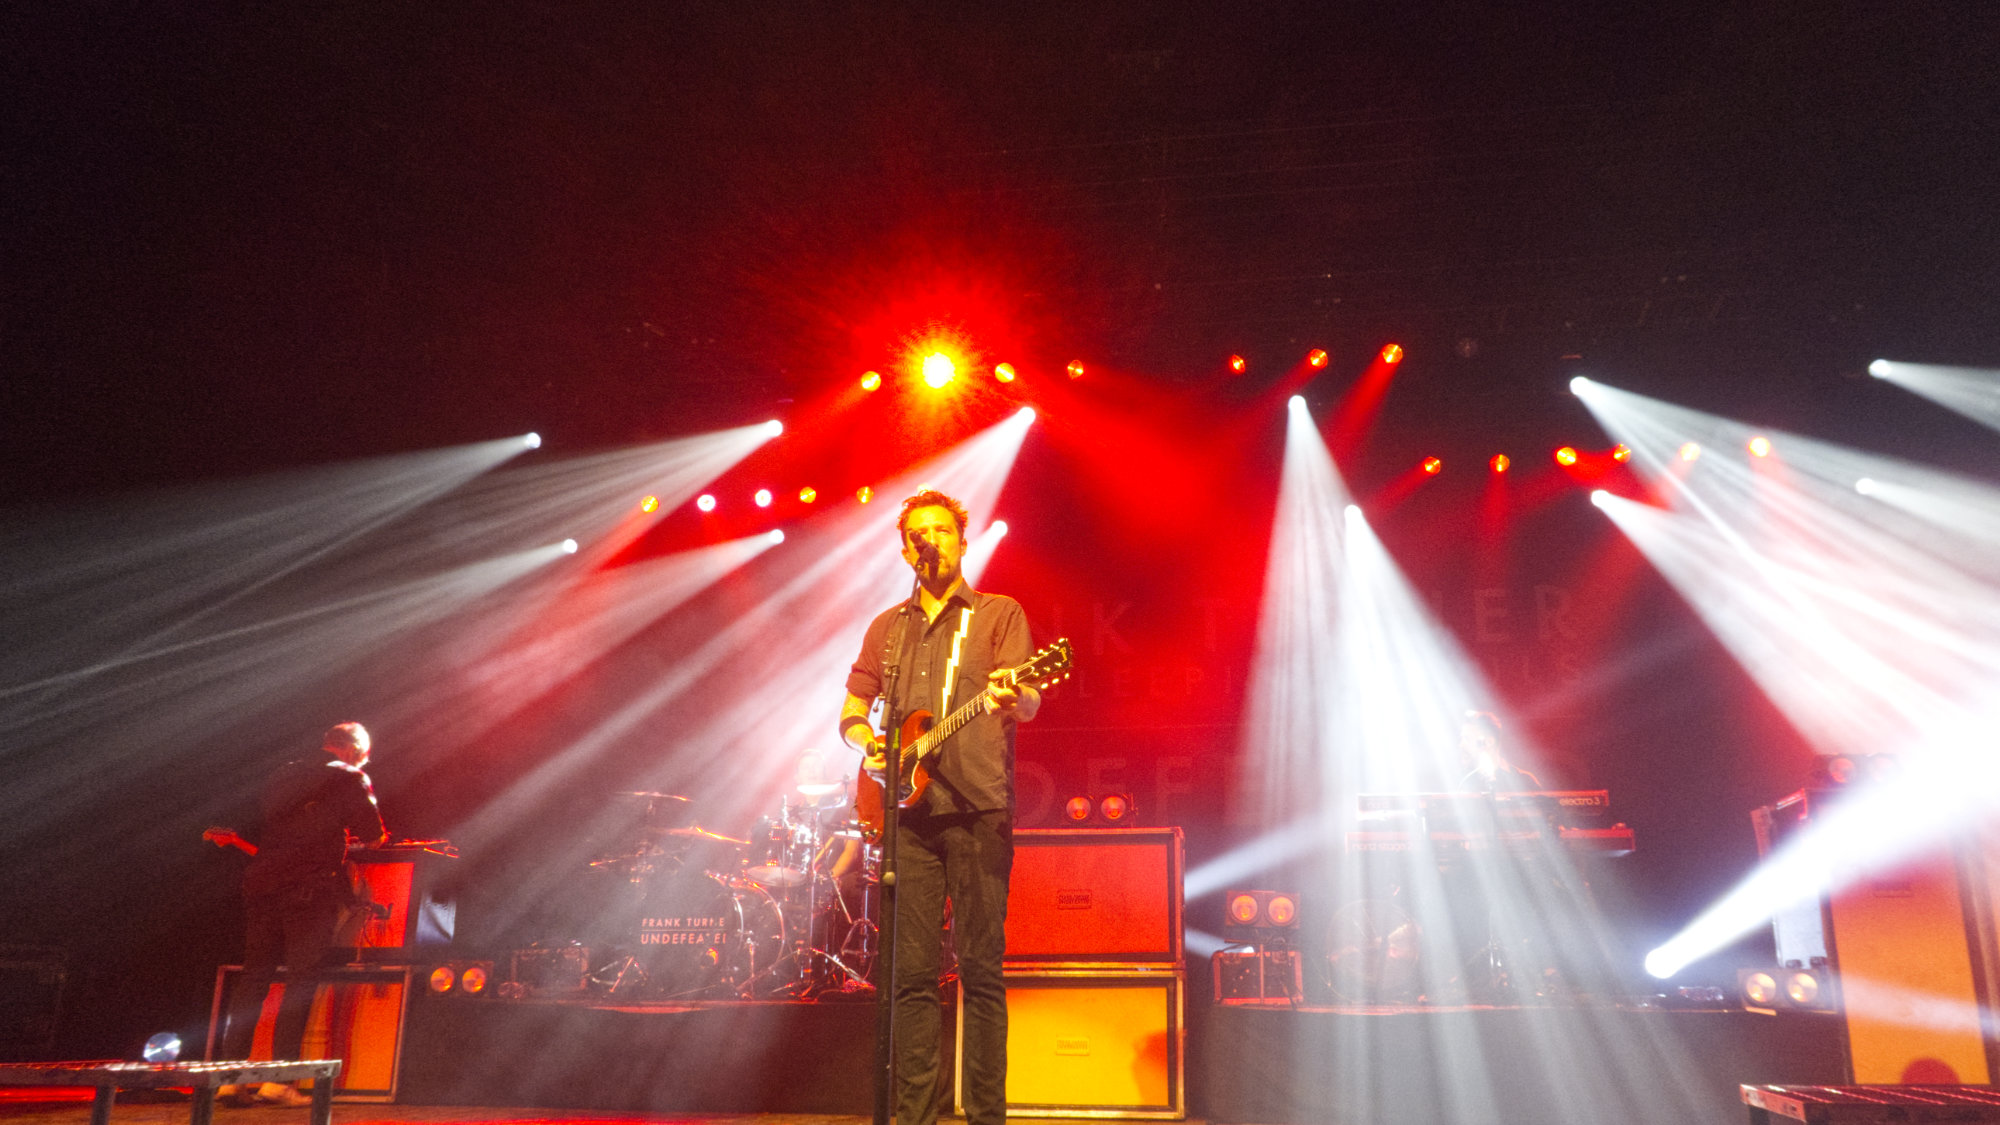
[[739, 1058], [1283, 1067]]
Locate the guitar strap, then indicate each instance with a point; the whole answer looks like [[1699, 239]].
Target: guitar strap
[[957, 649]]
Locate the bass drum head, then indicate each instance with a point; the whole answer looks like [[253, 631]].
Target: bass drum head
[[707, 935]]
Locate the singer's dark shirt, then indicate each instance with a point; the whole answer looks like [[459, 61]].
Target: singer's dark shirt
[[974, 770]]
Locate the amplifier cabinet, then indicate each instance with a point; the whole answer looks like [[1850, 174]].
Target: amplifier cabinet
[[1093, 895], [357, 1016], [1092, 1043], [1256, 976]]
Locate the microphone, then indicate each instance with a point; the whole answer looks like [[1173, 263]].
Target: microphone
[[926, 551]]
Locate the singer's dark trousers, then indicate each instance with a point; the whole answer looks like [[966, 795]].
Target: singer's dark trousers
[[966, 857], [294, 927]]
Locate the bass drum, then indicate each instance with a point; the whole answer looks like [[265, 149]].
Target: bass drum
[[708, 936]]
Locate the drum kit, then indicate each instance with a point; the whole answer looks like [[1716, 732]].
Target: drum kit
[[785, 913]]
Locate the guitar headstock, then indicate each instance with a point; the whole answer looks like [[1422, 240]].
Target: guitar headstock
[[1049, 666]]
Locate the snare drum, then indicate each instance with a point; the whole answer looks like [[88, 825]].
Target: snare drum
[[774, 859]]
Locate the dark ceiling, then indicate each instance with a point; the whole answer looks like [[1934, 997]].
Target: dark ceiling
[[246, 236]]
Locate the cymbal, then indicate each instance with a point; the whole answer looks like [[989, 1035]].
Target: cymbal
[[650, 795], [699, 833], [820, 788]]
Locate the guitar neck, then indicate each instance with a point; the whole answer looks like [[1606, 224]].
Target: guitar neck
[[944, 728]]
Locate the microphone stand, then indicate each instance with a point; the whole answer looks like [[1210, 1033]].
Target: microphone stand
[[885, 902]]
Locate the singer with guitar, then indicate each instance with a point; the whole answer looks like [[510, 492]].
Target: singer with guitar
[[952, 644]]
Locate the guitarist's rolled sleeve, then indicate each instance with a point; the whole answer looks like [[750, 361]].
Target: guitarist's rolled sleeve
[[974, 770]]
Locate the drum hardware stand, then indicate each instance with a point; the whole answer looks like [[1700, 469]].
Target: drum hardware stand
[[617, 976]]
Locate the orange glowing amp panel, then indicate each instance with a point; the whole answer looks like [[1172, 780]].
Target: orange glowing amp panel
[[1093, 1043], [1095, 895], [357, 1015]]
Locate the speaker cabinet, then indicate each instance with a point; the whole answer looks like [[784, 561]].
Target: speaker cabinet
[[1092, 895], [1256, 976], [1092, 1043], [357, 1016]]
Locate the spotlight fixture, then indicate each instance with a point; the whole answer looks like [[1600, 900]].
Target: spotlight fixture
[[1879, 369], [762, 497], [1433, 466], [1621, 453], [1238, 365], [774, 427], [1690, 451], [871, 380], [1316, 358], [1759, 446], [938, 370], [1499, 462], [1075, 369], [569, 546], [650, 504], [1392, 353], [1259, 912], [532, 440], [1112, 808], [1004, 372], [1865, 486], [469, 978], [1794, 988], [1566, 456], [705, 502], [864, 494], [808, 494]]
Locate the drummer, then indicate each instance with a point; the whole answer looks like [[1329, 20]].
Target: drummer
[[829, 796]]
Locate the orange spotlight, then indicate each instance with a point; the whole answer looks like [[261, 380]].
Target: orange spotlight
[[705, 502], [871, 380], [808, 494], [1392, 354], [1621, 453], [1004, 372], [650, 504], [1316, 357], [1238, 364], [938, 370], [1760, 446], [1690, 451], [1499, 462], [1433, 465], [864, 494], [1565, 456], [1076, 369]]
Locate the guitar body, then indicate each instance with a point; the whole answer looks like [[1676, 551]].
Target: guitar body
[[912, 779], [922, 736]]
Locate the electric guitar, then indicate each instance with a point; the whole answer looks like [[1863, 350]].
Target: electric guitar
[[921, 737]]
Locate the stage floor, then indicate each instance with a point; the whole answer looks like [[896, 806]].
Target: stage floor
[[175, 1112]]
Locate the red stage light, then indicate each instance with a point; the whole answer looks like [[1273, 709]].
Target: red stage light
[[1565, 456], [1075, 369], [871, 380], [1238, 364], [1433, 465], [650, 504], [808, 494], [938, 370], [864, 494], [1621, 453], [705, 502], [1392, 354], [1316, 357], [1760, 446], [1004, 372], [1499, 462]]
